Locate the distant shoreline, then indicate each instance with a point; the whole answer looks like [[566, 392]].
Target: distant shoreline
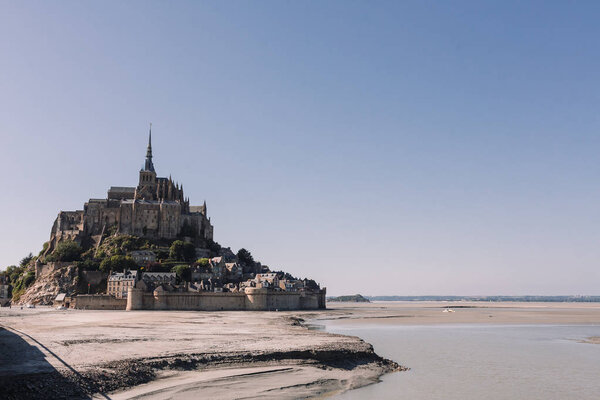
[[520, 299]]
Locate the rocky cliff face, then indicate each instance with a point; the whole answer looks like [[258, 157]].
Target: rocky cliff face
[[52, 279]]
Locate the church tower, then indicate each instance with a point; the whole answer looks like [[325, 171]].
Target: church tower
[[147, 185]]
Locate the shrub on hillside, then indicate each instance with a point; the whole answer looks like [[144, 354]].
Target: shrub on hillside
[[89, 264], [66, 251], [203, 262]]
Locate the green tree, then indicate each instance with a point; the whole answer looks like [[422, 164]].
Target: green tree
[[203, 262], [66, 251], [13, 272], [117, 263], [184, 272], [176, 250], [26, 260], [182, 251], [21, 284], [162, 255], [89, 264], [245, 257], [214, 247]]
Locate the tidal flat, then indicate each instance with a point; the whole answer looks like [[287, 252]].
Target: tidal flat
[[226, 355], [470, 351], [47, 353]]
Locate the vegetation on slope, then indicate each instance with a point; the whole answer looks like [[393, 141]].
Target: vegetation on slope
[[112, 255], [20, 277]]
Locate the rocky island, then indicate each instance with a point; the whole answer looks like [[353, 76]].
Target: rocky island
[[146, 247]]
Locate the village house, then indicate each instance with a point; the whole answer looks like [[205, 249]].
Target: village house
[[288, 286], [201, 272], [250, 283], [159, 277], [234, 271], [143, 257], [151, 280], [216, 270], [267, 280], [217, 265], [206, 285], [120, 282]]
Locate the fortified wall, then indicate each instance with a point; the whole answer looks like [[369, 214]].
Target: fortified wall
[[98, 302], [252, 299]]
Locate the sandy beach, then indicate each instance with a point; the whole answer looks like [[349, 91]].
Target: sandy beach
[[145, 354], [223, 355]]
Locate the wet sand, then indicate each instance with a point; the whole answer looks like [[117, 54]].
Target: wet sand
[[431, 313], [223, 355], [170, 354]]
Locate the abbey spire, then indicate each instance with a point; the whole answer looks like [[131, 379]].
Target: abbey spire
[[149, 166]]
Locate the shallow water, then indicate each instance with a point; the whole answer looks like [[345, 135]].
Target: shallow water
[[482, 361]]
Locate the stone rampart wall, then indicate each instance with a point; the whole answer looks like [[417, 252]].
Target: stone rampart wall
[[98, 302], [252, 299]]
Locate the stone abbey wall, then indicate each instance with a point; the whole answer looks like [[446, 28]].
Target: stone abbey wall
[[252, 299]]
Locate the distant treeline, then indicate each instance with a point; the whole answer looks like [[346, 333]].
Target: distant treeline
[[581, 299]]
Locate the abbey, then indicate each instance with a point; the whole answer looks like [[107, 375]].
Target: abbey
[[156, 208]]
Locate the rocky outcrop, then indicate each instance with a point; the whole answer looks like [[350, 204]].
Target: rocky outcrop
[[52, 279]]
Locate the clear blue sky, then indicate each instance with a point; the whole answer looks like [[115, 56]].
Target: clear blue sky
[[378, 147]]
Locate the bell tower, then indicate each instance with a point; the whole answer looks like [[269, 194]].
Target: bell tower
[[147, 185]]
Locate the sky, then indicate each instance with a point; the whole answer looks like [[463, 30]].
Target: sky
[[381, 148]]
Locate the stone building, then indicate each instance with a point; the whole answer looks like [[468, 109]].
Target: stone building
[[142, 257], [158, 278], [156, 208], [120, 282]]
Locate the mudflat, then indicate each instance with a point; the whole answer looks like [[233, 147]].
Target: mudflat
[[427, 313], [224, 355], [166, 354]]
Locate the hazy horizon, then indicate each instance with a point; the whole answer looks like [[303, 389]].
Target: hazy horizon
[[376, 147]]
